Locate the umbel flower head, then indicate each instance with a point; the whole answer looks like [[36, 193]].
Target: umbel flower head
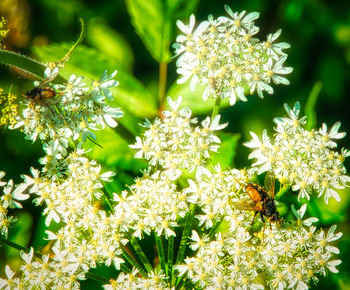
[[175, 143], [301, 158], [76, 110], [288, 256], [223, 55]]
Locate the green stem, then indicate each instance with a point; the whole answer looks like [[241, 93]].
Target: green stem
[[216, 107], [170, 257], [96, 278], [186, 233], [213, 229], [16, 246], [125, 268], [79, 40], [163, 67], [282, 191], [160, 250], [133, 263], [141, 254]]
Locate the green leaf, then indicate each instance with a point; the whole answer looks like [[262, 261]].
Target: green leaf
[[34, 68], [21, 231], [115, 151], [130, 94], [154, 22], [152, 25], [193, 100], [26, 64], [110, 43], [227, 150], [311, 104]]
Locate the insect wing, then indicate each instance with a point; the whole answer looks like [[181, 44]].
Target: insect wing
[[49, 78], [244, 205], [270, 184]]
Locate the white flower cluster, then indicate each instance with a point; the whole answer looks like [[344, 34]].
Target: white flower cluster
[[134, 281], [218, 195], [223, 55], [90, 235], [74, 112], [43, 273], [304, 159], [175, 144], [153, 205], [285, 256], [9, 198]]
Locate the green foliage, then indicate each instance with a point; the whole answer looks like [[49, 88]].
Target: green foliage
[[130, 94], [194, 99], [110, 43], [114, 151], [227, 150], [311, 105], [321, 42], [23, 63], [154, 21]]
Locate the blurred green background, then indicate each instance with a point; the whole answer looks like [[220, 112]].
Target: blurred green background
[[319, 34]]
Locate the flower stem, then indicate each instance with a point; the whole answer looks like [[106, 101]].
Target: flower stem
[[133, 262], [16, 246], [160, 250], [186, 233], [163, 67], [183, 242], [141, 254], [216, 107], [282, 191], [96, 278], [214, 229], [170, 257]]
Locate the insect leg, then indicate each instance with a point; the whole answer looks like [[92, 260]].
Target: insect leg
[[254, 217], [262, 216]]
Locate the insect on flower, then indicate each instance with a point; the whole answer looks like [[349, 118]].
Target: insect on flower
[[261, 200], [42, 92]]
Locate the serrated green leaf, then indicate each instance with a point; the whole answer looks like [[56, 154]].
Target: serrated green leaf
[[130, 94], [227, 150], [110, 43]]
